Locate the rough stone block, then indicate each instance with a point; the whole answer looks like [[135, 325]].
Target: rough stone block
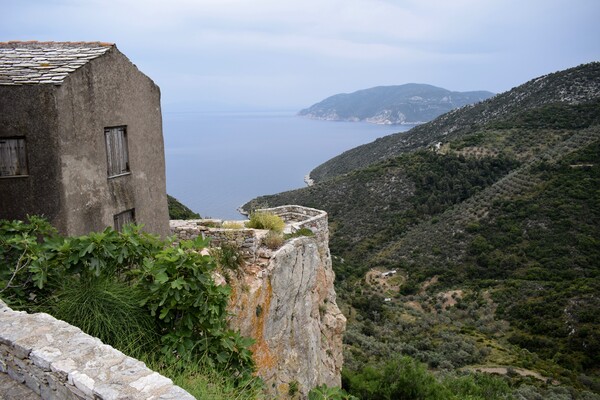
[[32, 382], [150, 382], [82, 382], [44, 357]]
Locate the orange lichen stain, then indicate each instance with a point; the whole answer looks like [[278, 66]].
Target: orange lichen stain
[[263, 357]]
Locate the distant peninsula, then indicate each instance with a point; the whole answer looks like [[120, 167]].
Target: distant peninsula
[[412, 103]]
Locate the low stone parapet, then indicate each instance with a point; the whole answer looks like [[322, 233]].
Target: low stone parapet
[[58, 361], [298, 217]]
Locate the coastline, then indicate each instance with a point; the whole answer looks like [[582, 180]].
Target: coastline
[[308, 180]]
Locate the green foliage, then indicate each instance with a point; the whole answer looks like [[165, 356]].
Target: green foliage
[[204, 382], [400, 378], [477, 386], [266, 220], [555, 116], [20, 247], [105, 281], [109, 310], [299, 233], [507, 210], [293, 388], [178, 211], [228, 256], [404, 378], [191, 308], [273, 240], [325, 392]]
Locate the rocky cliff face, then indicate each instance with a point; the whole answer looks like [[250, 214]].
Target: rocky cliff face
[[288, 306], [285, 300]]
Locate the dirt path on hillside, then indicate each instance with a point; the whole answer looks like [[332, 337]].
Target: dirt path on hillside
[[504, 371]]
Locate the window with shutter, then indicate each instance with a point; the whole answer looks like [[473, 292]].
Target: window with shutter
[[124, 218], [13, 157], [117, 153]]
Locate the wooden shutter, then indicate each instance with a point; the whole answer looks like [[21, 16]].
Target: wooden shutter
[[117, 154], [124, 218], [13, 157]]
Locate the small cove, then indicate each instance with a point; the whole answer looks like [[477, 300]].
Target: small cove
[[218, 161]]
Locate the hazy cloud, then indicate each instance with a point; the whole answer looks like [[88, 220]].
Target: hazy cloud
[[267, 53]]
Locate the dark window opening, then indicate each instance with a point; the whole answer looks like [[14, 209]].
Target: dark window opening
[[117, 153], [13, 157], [124, 218]]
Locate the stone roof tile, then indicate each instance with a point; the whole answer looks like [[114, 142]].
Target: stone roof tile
[[28, 63]]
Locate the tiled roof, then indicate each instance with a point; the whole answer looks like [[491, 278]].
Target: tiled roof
[[26, 63]]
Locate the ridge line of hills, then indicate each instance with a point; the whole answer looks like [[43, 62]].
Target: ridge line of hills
[[532, 94], [411, 103]]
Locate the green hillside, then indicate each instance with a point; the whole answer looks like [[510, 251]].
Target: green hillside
[[490, 216], [178, 210], [573, 86], [410, 103]]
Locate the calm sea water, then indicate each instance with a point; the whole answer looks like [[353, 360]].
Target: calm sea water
[[217, 162]]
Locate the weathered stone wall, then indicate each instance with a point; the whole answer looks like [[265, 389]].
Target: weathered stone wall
[[63, 126], [110, 91], [246, 239], [298, 217], [58, 361]]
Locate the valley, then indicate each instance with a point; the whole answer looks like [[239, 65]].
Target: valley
[[490, 215]]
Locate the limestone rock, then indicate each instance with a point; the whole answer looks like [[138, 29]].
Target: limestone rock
[[289, 308]]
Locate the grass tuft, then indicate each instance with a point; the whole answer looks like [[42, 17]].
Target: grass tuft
[[266, 220], [109, 310]]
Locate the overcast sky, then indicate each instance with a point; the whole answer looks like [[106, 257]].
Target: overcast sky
[[289, 54]]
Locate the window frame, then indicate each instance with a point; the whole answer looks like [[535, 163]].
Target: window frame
[[117, 161], [21, 160], [119, 221]]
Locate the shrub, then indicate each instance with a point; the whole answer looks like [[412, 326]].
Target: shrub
[[232, 225], [300, 232], [191, 309], [325, 392], [400, 378], [204, 382], [105, 281], [109, 310], [273, 240], [266, 220], [20, 245], [228, 256]]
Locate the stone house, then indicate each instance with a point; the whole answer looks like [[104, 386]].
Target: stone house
[[80, 138]]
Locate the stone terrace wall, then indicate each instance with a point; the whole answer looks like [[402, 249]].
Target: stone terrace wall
[[248, 240], [298, 217], [58, 361]]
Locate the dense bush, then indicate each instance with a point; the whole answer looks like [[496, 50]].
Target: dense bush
[[404, 378], [228, 256], [100, 280], [273, 240], [266, 220]]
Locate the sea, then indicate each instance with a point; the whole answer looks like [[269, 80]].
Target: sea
[[217, 161]]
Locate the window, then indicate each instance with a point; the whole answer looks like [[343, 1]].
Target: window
[[117, 154], [124, 218], [13, 159]]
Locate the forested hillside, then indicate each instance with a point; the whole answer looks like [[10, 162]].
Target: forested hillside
[[411, 103], [490, 218], [573, 86]]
